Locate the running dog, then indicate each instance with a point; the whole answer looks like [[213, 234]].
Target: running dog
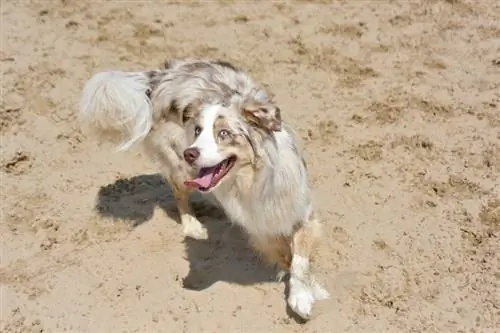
[[215, 130]]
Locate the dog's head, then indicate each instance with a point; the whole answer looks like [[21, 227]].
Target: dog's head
[[223, 139]]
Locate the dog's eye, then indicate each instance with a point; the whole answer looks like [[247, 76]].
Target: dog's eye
[[224, 133], [197, 130]]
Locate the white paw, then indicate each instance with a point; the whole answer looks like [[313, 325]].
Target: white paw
[[193, 228], [301, 298], [319, 292]]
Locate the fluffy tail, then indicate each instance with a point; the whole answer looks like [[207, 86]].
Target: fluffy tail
[[117, 108]]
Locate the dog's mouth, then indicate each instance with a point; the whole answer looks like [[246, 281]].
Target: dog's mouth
[[208, 178]]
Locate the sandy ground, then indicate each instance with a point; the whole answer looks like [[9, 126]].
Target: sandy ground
[[398, 104]]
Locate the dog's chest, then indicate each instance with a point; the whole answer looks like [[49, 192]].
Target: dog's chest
[[256, 217]]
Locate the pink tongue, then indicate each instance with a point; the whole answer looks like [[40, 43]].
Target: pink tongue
[[204, 178]]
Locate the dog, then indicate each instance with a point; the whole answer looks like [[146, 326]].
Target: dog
[[216, 131]]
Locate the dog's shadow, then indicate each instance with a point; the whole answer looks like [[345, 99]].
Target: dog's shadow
[[225, 256]]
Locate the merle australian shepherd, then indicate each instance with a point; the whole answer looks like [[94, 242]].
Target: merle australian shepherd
[[215, 130]]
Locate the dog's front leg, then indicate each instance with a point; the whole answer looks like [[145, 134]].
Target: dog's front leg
[[304, 289], [190, 224]]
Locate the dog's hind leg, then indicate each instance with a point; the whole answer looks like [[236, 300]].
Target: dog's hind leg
[[190, 224], [304, 289], [275, 251]]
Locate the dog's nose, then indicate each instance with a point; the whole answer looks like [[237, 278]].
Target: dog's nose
[[191, 154]]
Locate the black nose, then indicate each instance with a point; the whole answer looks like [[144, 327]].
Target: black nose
[[191, 154]]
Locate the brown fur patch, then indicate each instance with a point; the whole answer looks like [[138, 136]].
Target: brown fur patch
[[306, 237], [266, 116], [275, 250]]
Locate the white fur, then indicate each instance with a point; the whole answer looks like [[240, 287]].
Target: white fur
[[261, 96], [304, 291], [192, 227], [301, 298], [205, 142], [116, 102], [300, 266], [279, 193]]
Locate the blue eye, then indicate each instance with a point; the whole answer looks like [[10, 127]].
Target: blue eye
[[224, 133]]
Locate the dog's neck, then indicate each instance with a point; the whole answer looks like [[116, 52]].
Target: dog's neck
[[263, 195], [246, 182], [253, 179]]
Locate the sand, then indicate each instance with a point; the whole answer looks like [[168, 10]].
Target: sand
[[398, 104]]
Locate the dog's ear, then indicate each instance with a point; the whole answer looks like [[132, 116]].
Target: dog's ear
[[266, 116]]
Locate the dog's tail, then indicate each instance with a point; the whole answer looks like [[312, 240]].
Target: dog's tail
[[116, 106]]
